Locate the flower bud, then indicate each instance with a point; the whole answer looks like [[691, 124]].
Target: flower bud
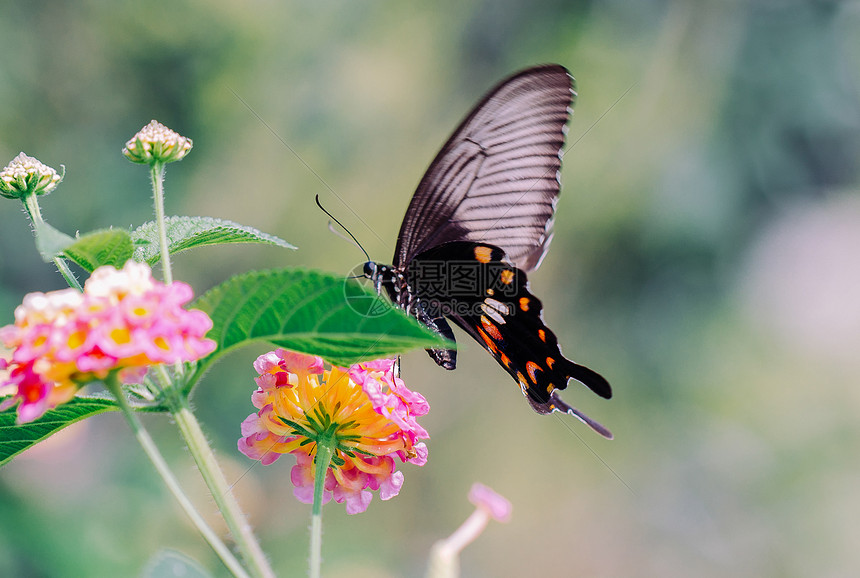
[[26, 175], [156, 143]]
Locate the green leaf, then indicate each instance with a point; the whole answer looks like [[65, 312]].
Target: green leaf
[[188, 232], [104, 247], [336, 318], [50, 242], [170, 563], [15, 438]]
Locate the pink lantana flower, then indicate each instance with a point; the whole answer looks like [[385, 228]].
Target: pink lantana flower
[[369, 410], [123, 321]]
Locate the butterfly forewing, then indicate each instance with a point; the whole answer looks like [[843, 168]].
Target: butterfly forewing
[[496, 179]]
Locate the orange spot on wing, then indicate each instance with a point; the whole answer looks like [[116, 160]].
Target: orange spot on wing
[[491, 329], [531, 368], [549, 362], [542, 335], [524, 303], [522, 379], [490, 344], [549, 388], [507, 277], [483, 254], [505, 359]]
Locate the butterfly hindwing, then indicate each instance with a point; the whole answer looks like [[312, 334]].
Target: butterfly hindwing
[[475, 287]]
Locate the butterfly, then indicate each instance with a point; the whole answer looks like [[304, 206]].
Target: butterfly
[[480, 219]]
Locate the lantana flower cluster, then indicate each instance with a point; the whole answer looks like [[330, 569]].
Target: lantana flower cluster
[[124, 320], [366, 408]]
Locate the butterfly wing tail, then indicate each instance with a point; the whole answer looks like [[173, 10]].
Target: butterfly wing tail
[[555, 403], [590, 378]]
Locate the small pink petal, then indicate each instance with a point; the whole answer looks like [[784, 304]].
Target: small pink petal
[[390, 487], [300, 363], [302, 477], [252, 425], [266, 362], [27, 412], [356, 501], [421, 454], [132, 374]]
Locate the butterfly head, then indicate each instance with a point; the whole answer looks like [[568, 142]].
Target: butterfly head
[[371, 270]]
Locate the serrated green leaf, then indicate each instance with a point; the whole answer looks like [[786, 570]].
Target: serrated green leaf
[[188, 232], [15, 438], [50, 242], [104, 247], [311, 312]]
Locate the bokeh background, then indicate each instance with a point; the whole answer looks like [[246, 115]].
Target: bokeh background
[[706, 260]]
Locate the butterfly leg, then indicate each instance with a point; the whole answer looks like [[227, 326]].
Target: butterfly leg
[[446, 358]]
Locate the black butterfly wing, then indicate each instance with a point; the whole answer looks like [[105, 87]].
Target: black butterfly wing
[[496, 180], [472, 285]]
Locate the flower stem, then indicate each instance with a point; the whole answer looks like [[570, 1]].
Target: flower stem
[[221, 492], [166, 474], [31, 205], [67, 273], [445, 554], [157, 172], [325, 450]]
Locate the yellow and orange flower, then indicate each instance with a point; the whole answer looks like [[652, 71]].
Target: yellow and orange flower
[[366, 409]]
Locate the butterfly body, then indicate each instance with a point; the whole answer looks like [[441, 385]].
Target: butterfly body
[[394, 283], [480, 219]]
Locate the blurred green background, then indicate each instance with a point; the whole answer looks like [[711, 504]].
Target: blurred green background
[[706, 261]]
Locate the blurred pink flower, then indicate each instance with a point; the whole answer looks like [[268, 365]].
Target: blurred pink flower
[[124, 320], [370, 412], [445, 555], [496, 505]]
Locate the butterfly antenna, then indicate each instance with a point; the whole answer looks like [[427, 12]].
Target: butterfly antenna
[[330, 228]]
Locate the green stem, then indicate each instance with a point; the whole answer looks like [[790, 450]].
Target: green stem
[[31, 205], [166, 474], [325, 451], [157, 172], [67, 273], [221, 491]]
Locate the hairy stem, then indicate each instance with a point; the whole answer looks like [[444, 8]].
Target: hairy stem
[[166, 474], [221, 491]]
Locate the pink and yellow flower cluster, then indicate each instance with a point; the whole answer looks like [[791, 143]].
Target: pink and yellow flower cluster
[[124, 320], [368, 411]]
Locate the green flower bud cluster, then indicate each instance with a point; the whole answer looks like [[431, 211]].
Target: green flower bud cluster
[[156, 143], [26, 175]]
